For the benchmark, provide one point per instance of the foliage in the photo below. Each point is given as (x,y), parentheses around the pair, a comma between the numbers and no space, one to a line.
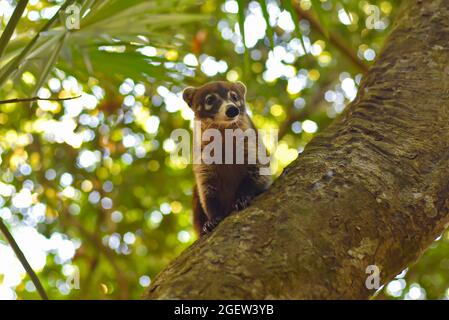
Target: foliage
(89,184)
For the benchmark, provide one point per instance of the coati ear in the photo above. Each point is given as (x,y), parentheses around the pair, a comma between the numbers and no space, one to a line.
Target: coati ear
(240,87)
(188,94)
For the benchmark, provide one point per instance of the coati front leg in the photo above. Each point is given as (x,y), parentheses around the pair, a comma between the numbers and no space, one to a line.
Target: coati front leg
(209,200)
(214,212)
(201,223)
(250,187)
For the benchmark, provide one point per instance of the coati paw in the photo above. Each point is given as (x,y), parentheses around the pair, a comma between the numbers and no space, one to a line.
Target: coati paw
(210,225)
(242,202)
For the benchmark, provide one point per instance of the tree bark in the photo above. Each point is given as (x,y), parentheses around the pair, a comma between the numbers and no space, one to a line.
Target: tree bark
(371,189)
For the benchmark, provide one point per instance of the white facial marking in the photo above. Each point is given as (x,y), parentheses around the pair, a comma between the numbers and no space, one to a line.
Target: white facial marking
(222,111)
(233,96)
(221,114)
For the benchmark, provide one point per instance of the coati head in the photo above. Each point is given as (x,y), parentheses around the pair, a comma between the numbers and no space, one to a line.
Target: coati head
(219,101)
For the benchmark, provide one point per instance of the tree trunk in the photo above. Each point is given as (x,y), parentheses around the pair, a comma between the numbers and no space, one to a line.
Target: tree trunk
(372,189)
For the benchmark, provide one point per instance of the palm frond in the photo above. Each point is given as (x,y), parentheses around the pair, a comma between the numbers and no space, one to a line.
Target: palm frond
(103,23)
(12,23)
(266,16)
(241,18)
(20,58)
(289,7)
(316,4)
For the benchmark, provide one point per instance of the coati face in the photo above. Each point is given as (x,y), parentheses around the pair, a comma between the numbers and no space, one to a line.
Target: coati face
(218,101)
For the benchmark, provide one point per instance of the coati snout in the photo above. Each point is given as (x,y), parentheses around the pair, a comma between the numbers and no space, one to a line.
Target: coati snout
(232,111)
(222,188)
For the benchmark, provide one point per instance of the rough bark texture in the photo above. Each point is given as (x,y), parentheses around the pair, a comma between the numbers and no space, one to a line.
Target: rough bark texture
(372,189)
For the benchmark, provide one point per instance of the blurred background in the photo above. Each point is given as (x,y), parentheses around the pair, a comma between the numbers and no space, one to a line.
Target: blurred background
(87,186)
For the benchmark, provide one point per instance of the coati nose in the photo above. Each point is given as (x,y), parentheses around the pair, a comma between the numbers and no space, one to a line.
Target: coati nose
(232,111)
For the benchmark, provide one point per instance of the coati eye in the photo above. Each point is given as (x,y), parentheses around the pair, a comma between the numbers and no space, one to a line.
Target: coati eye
(234,96)
(210,99)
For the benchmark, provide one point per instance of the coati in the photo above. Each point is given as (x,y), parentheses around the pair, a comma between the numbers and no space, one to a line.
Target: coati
(223,188)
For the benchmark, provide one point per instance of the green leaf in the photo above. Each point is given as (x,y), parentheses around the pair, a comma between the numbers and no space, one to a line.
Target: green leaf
(263,4)
(316,5)
(345,8)
(116,66)
(11,26)
(20,59)
(289,7)
(50,63)
(241,17)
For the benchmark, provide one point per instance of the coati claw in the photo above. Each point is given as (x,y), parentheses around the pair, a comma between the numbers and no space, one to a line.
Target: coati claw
(210,225)
(242,203)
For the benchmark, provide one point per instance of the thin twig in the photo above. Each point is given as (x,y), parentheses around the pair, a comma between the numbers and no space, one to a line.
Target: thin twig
(333,38)
(23,260)
(35,99)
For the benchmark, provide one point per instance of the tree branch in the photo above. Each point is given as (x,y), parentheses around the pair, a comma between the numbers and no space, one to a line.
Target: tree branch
(15,100)
(370,190)
(333,38)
